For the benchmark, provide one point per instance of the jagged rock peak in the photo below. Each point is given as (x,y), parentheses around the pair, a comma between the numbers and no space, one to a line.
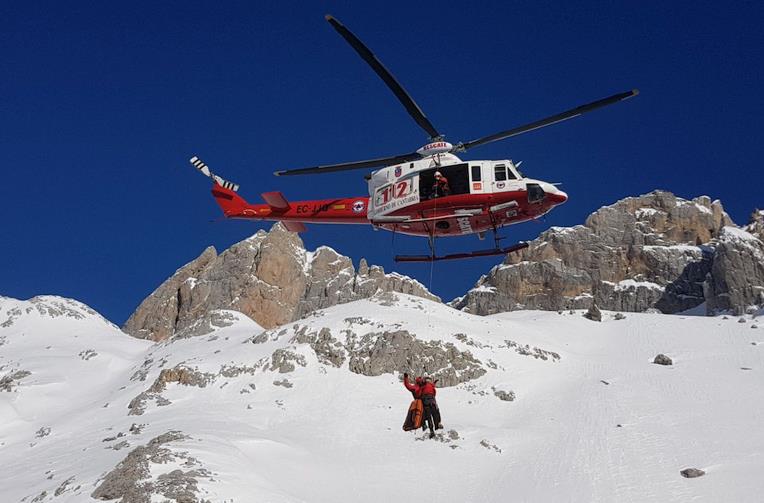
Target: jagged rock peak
(736,280)
(269,277)
(652,251)
(659,218)
(756,224)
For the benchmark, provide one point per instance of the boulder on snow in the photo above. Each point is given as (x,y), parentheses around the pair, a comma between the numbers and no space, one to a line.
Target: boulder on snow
(284,382)
(507,396)
(7,382)
(691,473)
(662,359)
(593,313)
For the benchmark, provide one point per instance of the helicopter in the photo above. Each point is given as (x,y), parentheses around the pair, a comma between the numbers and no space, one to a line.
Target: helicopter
(406,193)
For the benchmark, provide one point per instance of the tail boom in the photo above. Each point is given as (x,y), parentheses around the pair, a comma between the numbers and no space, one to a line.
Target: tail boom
(347,210)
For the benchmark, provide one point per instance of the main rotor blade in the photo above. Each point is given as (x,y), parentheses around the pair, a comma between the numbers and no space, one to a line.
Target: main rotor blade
(371,163)
(554,119)
(411,107)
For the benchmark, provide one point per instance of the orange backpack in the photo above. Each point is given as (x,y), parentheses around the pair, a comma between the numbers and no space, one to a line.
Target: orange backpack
(414,416)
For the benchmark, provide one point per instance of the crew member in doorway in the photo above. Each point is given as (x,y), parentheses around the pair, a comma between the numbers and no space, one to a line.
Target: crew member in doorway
(440,188)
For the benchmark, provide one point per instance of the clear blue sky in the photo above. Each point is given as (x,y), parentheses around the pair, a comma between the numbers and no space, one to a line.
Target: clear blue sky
(101,105)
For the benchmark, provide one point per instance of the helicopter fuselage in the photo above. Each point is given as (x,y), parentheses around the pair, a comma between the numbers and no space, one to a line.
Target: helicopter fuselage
(482,195)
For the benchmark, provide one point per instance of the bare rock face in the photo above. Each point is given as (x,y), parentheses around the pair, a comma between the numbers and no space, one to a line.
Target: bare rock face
(654,251)
(399,351)
(756,224)
(328,349)
(132,481)
(269,277)
(157,316)
(736,279)
(388,350)
(179,374)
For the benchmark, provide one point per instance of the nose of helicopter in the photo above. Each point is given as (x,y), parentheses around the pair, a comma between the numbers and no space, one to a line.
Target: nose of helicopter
(554,194)
(558,197)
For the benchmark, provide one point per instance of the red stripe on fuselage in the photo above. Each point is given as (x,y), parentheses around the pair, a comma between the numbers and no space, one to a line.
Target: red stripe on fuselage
(322,211)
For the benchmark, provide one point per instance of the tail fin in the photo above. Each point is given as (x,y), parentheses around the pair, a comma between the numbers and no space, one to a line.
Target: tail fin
(224,191)
(229,201)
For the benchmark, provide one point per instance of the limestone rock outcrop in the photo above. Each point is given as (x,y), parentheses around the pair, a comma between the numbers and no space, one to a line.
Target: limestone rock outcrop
(655,251)
(756,224)
(269,277)
(736,280)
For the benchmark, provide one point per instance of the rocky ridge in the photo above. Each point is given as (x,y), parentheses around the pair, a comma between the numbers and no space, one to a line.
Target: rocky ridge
(756,224)
(269,277)
(655,251)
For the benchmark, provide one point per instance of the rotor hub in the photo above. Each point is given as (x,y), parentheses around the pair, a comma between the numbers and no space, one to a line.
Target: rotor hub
(434,148)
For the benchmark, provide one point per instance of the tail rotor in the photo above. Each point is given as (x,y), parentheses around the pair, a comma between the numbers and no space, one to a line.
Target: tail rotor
(205,170)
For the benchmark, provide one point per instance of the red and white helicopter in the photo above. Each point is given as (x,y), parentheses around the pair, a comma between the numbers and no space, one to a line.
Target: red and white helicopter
(404,197)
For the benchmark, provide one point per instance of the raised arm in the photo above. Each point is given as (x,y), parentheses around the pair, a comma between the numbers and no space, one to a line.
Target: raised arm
(408,385)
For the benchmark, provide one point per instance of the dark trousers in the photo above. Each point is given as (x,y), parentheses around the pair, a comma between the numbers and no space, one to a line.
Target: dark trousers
(431,413)
(436,416)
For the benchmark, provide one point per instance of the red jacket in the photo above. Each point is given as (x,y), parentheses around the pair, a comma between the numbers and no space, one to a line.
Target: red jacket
(427,388)
(441,185)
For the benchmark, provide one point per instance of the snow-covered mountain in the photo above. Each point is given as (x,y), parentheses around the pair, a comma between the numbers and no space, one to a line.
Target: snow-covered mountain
(537,406)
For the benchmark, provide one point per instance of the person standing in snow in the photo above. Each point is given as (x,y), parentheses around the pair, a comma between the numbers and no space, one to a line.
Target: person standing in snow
(431,409)
(424,389)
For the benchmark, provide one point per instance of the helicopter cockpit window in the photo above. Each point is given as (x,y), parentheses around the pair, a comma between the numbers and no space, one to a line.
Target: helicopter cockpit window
(511,174)
(499,173)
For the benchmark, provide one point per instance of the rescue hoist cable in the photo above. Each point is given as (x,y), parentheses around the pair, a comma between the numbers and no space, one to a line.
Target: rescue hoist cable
(432,263)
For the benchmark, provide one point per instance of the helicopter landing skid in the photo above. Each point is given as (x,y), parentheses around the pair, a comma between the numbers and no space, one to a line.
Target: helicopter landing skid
(454,256)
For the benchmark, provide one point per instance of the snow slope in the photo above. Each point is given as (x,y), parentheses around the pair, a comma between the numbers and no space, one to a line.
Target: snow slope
(593,419)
